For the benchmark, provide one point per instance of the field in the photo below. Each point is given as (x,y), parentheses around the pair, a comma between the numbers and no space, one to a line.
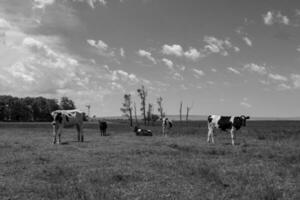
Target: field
(265,163)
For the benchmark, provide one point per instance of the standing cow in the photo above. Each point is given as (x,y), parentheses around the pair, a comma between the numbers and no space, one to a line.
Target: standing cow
(66,119)
(166,126)
(102,127)
(225,123)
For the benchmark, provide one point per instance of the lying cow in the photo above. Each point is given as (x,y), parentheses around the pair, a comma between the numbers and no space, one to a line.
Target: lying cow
(166,125)
(102,127)
(65,119)
(142,132)
(225,123)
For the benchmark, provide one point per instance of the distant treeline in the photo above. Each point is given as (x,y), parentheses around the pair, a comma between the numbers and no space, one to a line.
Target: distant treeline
(31,108)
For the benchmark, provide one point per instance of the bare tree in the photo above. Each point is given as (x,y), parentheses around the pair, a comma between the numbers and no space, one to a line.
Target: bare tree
(188,109)
(143,94)
(135,115)
(160,108)
(149,113)
(127,107)
(180,111)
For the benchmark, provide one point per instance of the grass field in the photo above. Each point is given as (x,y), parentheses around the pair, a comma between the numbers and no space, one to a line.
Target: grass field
(265,163)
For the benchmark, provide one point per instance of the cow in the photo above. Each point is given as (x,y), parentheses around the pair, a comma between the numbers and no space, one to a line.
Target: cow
(102,127)
(66,119)
(225,123)
(166,126)
(142,132)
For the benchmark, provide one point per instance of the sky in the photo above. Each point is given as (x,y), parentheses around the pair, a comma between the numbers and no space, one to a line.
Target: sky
(228,57)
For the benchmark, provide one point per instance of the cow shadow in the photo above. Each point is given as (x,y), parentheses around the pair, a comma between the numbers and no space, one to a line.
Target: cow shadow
(229,143)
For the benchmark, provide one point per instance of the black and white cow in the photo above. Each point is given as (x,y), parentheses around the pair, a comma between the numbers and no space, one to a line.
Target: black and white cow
(66,119)
(166,126)
(225,123)
(102,127)
(142,132)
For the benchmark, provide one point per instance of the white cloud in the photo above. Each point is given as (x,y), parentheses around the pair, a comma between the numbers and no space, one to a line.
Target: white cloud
(102,47)
(272,17)
(192,54)
(283,86)
(215,45)
(122,52)
(256,68)
(296,80)
(177,76)
(4,24)
(213,70)
(174,49)
(92,3)
(146,54)
(233,70)
(41,4)
(298,49)
(245,104)
(277,77)
(248,41)
(168,62)
(198,73)
(124,76)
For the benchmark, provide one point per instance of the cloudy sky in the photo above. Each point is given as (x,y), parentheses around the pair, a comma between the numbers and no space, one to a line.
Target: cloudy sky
(218,56)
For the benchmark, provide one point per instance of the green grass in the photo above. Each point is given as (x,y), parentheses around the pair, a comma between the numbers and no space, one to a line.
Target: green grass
(264,165)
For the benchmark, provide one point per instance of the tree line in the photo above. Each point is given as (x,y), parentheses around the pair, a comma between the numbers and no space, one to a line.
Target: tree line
(31,108)
(147,110)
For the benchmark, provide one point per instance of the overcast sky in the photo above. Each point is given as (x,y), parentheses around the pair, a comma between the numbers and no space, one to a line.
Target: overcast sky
(218,56)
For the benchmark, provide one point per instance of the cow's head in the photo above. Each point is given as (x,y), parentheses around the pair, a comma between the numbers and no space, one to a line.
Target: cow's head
(244,118)
(57,118)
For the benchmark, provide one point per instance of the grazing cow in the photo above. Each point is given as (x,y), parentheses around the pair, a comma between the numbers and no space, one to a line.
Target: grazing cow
(224,123)
(102,127)
(142,132)
(166,125)
(65,119)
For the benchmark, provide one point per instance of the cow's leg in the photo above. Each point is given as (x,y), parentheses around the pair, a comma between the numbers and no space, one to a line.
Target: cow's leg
(59,135)
(54,134)
(210,135)
(232,136)
(81,133)
(78,132)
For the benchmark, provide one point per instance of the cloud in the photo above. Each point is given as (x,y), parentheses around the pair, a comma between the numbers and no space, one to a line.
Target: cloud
(215,45)
(298,49)
(296,80)
(177,76)
(122,52)
(245,104)
(102,47)
(174,49)
(92,3)
(192,54)
(4,24)
(233,70)
(147,55)
(168,62)
(41,4)
(124,76)
(248,41)
(198,73)
(283,86)
(277,77)
(272,17)
(256,68)
(213,70)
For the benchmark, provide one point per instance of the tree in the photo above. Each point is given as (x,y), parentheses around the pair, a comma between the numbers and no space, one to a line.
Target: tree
(127,107)
(66,104)
(135,115)
(143,95)
(180,111)
(160,108)
(188,109)
(149,113)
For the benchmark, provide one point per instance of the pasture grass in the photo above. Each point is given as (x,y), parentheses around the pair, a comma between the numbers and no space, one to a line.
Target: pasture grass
(264,164)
